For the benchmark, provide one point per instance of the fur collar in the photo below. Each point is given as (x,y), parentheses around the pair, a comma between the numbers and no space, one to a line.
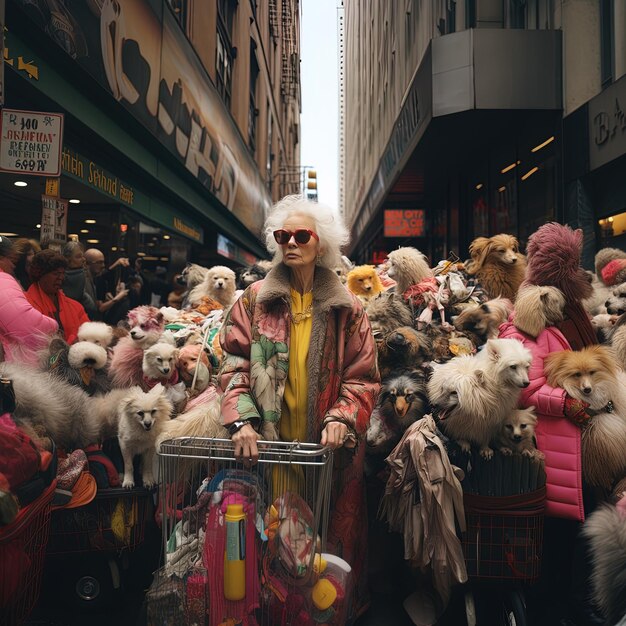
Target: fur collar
(328,291)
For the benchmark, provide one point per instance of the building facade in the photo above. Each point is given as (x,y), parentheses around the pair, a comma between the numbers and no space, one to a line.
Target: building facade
(181,121)
(466,119)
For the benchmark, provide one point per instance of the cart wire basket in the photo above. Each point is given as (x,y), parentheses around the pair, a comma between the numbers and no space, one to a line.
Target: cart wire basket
(504,536)
(113,521)
(268,569)
(22,555)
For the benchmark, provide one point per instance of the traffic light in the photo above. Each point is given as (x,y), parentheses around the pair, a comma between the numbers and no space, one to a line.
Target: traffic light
(311,185)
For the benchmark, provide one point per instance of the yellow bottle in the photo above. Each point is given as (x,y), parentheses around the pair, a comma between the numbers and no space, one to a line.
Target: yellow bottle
(235,553)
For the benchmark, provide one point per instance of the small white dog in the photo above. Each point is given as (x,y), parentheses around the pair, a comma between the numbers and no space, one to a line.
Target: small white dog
(140,419)
(220,284)
(616,302)
(159,363)
(96,332)
(474,394)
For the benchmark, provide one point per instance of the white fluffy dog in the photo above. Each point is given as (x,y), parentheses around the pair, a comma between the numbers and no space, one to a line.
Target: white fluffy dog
(57,409)
(407,266)
(140,418)
(616,302)
(159,362)
(220,284)
(473,394)
(96,332)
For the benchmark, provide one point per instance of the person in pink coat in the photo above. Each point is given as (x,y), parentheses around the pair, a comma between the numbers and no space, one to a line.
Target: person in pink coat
(549,317)
(23,329)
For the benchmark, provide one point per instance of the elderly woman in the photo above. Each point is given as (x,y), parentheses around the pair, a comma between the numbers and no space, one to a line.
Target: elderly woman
(300,363)
(23,329)
(47,272)
(76,284)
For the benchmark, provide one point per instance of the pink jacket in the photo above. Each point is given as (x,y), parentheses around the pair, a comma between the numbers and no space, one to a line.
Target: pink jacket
(557,437)
(23,329)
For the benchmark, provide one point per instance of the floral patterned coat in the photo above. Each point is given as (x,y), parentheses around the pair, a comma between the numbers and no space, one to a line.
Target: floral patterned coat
(343,386)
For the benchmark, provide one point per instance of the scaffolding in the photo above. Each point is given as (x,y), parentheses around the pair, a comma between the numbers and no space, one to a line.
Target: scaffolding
(290,75)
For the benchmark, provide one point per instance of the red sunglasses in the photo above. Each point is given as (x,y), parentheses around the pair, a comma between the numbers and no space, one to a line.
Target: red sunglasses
(301,235)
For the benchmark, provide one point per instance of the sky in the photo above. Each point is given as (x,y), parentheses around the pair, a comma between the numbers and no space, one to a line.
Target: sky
(318,77)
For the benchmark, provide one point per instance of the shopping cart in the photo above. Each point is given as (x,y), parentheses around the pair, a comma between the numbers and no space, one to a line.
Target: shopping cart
(503,541)
(287,577)
(22,554)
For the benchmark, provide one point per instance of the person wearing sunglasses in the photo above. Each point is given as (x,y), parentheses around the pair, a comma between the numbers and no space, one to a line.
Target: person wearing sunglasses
(299,363)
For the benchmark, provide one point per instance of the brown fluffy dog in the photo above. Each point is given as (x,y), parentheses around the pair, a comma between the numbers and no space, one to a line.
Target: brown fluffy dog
(483,319)
(517,435)
(592,375)
(364,282)
(403,349)
(498,265)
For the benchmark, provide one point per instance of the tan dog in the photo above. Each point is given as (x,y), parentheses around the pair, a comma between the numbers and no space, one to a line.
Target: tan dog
(592,375)
(498,265)
(364,282)
(517,435)
(483,319)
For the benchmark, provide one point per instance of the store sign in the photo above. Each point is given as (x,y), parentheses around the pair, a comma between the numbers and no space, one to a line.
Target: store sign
(228,249)
(53,219)
(607,125)
(30,142)
(142,57)
(96,177)
(405,223)
(193,232)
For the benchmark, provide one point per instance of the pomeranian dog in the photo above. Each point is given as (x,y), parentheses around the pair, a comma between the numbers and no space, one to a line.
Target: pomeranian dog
(159,363)
(592,375)
(402,401)
(484,319)
(220,284)
(498,265)
(146,325)
(517,434)
(96,332)
(474,394)
(140,417)
(363,281)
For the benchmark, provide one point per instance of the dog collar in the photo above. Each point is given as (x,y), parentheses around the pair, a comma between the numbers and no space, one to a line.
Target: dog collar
(609,408)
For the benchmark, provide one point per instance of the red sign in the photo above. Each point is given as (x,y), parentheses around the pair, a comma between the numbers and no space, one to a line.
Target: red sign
(405,223)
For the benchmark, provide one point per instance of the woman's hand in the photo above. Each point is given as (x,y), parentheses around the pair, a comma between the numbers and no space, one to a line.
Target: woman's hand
(245,444)
(334,434)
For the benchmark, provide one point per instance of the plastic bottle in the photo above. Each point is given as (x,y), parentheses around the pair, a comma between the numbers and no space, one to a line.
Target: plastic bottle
(235,553)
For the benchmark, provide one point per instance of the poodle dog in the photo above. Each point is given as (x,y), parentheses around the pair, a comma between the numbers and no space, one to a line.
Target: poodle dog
(407,266)
(606,530)
(363,281)
(474,394)
(402,401)
(484,319)
(386,313)
(498,265)
(517,434)
(140,418)
(96,332)
(592,375)
(403,349)
(250,275)
(146,327)
(220,284)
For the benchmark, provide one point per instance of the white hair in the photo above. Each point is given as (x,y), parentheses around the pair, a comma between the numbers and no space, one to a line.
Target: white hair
(329,227)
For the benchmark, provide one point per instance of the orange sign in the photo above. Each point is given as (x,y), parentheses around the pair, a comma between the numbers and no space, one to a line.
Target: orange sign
(405,223)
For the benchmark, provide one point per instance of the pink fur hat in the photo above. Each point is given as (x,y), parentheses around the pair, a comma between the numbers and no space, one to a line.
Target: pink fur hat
(553,254)
(614,272)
